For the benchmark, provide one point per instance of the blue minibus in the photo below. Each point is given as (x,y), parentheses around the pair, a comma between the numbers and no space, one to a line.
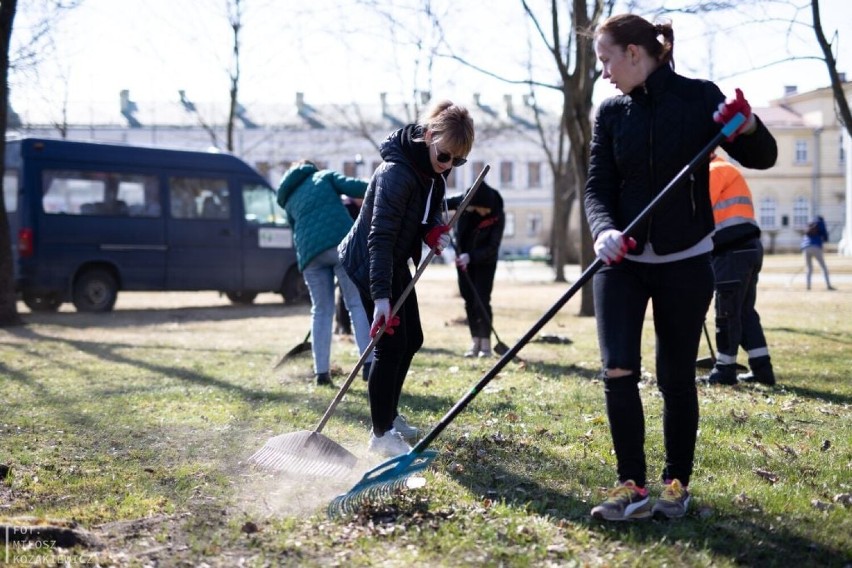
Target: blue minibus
(90,219)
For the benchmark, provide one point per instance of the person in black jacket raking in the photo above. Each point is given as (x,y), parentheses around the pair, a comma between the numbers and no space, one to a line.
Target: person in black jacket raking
(402,209)
(642,139)
(480,231)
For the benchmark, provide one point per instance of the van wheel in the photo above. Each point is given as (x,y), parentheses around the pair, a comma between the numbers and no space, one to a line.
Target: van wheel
(242,298)
(95,291)
(42,302)
(295,291)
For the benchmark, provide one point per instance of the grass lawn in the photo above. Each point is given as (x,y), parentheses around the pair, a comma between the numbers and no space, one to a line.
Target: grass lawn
(129,433)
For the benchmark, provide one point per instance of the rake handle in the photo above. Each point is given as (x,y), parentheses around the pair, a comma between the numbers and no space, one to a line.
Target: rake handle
(702,156)
(405,293)
(481,304)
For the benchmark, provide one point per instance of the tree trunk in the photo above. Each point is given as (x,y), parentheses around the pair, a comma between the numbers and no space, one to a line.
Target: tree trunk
(8,300)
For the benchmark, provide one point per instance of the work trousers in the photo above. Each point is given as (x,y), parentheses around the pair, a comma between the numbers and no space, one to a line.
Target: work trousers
(736,273)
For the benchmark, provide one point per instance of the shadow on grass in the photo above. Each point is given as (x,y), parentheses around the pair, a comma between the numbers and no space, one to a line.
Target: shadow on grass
(153,316)
(822,334)
(749,539)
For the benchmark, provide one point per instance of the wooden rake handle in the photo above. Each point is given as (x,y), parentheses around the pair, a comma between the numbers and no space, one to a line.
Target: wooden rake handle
(420,269)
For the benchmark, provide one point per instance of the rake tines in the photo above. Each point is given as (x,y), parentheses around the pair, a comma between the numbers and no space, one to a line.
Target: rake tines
(383,480)
(305,453)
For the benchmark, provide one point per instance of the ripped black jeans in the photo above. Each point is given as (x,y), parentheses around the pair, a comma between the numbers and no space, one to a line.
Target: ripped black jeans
(680,294)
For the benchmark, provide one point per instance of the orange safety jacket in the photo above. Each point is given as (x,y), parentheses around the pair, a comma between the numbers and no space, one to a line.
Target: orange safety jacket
(733,209)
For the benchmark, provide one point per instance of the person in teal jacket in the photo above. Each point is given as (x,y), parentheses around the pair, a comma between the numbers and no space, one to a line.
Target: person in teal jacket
(311,199)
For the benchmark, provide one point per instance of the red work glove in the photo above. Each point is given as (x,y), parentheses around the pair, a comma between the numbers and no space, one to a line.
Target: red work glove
(729,108)
(381,314)
(611,246)
(438,238)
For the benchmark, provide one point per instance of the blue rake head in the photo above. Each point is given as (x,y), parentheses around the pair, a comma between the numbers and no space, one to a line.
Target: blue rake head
(384,479)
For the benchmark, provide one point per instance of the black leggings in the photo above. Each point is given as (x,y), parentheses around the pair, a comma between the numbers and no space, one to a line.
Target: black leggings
(680,294)
(393,354)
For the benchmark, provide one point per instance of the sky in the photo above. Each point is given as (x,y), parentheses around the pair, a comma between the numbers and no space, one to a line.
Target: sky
(341,51)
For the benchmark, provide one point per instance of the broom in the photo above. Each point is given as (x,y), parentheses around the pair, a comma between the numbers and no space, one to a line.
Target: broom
(392,475)
(308,452)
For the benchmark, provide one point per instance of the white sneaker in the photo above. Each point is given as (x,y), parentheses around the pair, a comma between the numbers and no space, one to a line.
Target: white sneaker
(389,444)
(401,425)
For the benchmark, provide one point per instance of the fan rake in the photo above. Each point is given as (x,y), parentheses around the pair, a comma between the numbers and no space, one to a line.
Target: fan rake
(392,475)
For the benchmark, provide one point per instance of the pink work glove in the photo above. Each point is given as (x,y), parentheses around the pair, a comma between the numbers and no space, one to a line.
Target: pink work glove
(438,238)
(462,261)
(611,246)
(729,108)
(381,314)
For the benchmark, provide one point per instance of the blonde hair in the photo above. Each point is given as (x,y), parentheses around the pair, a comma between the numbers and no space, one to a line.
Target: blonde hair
(451,126)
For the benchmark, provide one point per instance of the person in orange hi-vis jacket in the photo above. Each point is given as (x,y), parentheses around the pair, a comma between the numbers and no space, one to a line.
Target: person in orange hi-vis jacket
(737,260)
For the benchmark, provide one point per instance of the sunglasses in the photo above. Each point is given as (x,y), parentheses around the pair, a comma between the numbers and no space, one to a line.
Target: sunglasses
(444,157)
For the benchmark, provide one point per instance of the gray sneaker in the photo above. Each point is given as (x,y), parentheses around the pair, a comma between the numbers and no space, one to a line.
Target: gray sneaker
(673,502)
(623,503)
(401,425)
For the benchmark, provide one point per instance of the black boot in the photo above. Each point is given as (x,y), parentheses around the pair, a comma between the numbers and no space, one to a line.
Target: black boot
(761,371)
(324,380)
(723,375)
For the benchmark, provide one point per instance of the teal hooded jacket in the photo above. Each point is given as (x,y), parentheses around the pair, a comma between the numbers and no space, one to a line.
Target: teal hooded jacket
(311,201)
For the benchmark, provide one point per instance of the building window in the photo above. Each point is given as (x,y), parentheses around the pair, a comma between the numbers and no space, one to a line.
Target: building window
(534,173)
(768,212)
(507,174)
(476,168)
(533,224)
(509,228)
(350,169)
(801,212)
(801,152)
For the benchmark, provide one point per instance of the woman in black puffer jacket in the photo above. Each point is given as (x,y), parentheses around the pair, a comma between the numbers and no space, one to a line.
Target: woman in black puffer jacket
(642,139)
(402,209)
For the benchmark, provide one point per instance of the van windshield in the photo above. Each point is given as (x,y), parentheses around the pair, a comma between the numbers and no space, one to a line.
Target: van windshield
(260,206)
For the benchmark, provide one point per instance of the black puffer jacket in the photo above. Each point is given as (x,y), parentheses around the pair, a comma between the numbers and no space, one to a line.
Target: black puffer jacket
(393,220)
(479,236)
(642,140)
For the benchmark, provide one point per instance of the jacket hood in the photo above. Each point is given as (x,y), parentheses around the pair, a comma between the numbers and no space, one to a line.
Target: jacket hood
(401,147)
(293,178)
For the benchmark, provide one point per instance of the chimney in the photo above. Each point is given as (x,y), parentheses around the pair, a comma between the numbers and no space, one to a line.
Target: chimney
(425,97)
(384,98)
(477,99)
(128,107)
(507,99)
(790,90)
(300,102)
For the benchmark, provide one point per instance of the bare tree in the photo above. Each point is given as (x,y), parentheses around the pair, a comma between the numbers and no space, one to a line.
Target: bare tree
(235,19)
(8,301)
(831,64)
(28,53)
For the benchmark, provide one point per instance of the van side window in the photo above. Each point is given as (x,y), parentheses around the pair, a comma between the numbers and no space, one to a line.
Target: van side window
(10,190)
(68,192)
(260,206)
(199,198)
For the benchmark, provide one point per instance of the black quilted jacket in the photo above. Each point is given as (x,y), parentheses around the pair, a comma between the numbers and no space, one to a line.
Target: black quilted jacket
(642,140)
(393,220)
